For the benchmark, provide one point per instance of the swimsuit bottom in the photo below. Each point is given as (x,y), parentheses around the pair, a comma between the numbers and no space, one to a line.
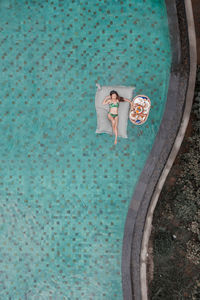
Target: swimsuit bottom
(113,115)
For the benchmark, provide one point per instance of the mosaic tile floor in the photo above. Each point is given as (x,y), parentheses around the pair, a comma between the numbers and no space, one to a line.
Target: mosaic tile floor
(65,190)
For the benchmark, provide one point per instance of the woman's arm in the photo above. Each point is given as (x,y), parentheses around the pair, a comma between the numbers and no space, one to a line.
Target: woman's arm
(105,101)
(131,103)
(125,99)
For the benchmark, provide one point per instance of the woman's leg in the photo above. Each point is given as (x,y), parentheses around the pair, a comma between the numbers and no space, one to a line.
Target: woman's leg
(116,129)
(112,122)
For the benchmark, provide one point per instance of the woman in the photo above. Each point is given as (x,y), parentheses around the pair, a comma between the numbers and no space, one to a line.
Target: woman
(113,101)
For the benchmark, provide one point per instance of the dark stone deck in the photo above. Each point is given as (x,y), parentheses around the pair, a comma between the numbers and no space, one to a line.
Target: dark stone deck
(181,88)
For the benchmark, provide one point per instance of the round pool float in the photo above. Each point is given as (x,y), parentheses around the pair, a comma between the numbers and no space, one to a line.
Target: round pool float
(140,110)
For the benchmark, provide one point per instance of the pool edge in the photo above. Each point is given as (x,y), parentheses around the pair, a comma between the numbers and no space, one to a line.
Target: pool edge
(164,151)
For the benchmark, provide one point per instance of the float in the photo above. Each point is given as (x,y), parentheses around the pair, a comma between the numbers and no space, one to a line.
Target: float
(140,109)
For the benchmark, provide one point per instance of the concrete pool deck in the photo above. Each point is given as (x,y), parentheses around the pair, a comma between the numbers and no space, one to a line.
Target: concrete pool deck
(164,151)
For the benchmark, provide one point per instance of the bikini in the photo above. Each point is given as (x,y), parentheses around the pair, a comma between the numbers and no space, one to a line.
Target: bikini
(113,105)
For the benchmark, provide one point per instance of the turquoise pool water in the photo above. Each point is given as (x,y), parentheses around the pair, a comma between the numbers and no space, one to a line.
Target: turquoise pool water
(65,191)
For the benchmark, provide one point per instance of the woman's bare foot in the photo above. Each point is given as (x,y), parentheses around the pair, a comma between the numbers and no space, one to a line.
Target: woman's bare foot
(115,142)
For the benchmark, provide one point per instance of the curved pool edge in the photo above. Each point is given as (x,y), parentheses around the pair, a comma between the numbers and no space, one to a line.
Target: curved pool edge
(174,152)
(164,151)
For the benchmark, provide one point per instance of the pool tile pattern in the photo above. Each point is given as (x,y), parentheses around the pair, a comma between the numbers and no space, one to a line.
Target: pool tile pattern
(65,190)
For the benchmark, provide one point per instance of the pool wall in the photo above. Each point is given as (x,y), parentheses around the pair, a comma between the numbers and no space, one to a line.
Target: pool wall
(166,146)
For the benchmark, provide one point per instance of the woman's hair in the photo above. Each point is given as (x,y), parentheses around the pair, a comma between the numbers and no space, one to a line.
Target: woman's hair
(118,97)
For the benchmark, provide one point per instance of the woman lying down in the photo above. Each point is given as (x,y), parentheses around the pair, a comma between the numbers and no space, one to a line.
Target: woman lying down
(113,101)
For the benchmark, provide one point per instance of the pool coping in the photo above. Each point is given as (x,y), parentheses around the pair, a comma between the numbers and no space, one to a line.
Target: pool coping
(167,143)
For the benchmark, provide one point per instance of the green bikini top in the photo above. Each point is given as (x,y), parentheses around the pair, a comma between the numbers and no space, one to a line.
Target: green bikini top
(114,105)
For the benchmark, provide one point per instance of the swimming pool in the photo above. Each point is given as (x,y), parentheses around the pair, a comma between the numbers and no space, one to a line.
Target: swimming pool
(65,190)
